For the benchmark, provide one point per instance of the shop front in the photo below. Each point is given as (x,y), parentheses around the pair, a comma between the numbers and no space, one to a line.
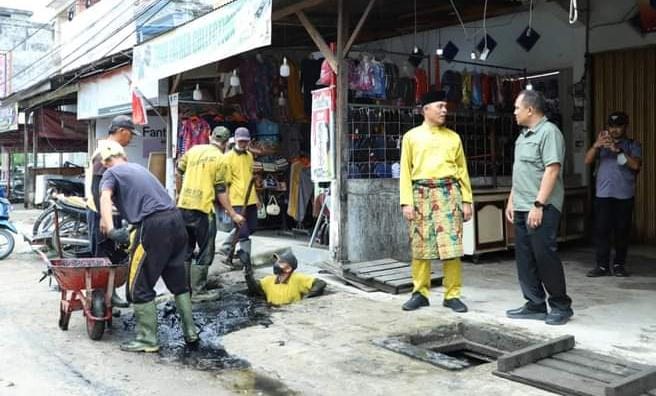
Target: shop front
(265,83)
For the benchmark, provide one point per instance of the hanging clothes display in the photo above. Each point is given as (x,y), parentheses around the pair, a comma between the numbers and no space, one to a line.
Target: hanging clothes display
(466,88)
(421,84)
(193,130)
(294,94)
(486,89)
(476,91)
(300,189)
(263,82)
(310,73)
(436,72)
(247,72)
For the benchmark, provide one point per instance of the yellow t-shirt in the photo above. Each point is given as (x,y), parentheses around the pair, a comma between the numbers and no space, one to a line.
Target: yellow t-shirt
(240,172)
(202,167)
(286,293)
(432,153)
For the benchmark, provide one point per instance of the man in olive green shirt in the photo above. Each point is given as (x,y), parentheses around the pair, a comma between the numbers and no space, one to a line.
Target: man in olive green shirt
(534,207)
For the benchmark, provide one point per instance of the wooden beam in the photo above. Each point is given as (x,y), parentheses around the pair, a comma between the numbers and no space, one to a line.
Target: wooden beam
(533,353)
(635,384)
(176,83)
(356,31)
(294,8)
(318,40)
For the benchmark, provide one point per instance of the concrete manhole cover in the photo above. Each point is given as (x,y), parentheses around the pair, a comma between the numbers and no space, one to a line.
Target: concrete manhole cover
(457,346)
(554,365)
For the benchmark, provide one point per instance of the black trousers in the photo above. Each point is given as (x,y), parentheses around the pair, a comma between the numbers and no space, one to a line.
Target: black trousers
(200,233)
(100,245)
(538,266)
(613,218)
(160,250)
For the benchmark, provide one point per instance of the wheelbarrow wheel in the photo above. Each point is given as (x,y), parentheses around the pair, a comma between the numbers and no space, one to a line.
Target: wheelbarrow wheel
(96,328)
(64,318)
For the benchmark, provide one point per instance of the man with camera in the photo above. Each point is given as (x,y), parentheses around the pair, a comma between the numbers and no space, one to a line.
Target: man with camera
(619,161)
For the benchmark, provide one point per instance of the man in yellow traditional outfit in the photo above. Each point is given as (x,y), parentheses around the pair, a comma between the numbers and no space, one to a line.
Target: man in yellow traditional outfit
(436,197)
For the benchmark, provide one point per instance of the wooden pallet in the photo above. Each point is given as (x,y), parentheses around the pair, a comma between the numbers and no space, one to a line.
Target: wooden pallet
(557,367)
(388,275)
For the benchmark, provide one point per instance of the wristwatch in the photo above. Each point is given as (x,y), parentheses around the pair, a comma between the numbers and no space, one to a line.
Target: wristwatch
(538,204)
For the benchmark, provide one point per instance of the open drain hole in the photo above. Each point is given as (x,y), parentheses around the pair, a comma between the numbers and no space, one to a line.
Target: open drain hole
(456,347)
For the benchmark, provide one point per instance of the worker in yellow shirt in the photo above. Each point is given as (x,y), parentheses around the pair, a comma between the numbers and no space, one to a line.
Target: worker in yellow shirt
(204,176)
(285,286)
(436,197)
(239,162)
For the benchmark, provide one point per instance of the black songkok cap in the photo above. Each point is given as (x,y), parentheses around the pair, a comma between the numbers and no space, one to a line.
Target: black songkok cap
(433,96)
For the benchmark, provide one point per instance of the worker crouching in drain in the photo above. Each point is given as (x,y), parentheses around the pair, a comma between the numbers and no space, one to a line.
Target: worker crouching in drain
(158,249)
(285,286)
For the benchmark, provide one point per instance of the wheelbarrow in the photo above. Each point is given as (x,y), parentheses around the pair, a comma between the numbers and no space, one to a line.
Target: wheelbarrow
(87,284)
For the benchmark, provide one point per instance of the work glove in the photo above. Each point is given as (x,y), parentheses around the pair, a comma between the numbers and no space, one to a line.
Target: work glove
(119,235)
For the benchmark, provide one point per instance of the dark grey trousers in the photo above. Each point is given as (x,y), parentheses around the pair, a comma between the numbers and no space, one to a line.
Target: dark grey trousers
(538,266)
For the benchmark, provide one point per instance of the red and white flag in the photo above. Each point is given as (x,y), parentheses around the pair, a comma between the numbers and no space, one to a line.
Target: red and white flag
(139,113)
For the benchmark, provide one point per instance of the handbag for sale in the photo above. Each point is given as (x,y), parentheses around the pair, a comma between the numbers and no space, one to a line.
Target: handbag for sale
(262,212)
(272,208)
(270,182)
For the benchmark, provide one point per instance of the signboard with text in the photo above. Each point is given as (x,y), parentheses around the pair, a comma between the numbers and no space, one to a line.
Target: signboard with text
(110,94)
(236,27)
(323,135)
(5,72)
(9,117)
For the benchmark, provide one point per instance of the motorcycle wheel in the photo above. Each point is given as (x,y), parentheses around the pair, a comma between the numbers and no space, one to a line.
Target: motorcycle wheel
(6,243)
(72,227)
(44,222)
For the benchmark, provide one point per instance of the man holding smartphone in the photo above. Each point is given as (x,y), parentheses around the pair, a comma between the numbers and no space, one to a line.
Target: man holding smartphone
(620,159)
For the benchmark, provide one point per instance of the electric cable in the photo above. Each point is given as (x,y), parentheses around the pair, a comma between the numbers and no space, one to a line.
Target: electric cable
(60,46)
(530,20)
(93,64)
(42,27)
(459,19)
(484,26)
(573,11)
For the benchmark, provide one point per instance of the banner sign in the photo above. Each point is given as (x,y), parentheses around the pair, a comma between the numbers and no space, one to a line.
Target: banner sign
(322,141)
(236,27)
(9,117)
(110,94)
(5,72)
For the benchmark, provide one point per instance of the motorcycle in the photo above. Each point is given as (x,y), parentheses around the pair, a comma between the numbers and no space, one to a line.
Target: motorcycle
(7,229)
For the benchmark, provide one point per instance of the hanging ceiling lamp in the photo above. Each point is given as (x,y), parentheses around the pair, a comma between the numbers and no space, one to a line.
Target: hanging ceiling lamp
(284,68)
(197,94)
(440,50)
(234,79)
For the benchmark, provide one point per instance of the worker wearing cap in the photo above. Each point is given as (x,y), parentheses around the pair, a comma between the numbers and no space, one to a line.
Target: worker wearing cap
(286,285)
(121,130)
(242,193)
(158,248)
(619,159)
(203,171)
(436,197)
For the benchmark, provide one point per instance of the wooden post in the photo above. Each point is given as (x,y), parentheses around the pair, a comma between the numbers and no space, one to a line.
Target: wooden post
(26,141)
(318,40)
(356,31)
(339,209)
